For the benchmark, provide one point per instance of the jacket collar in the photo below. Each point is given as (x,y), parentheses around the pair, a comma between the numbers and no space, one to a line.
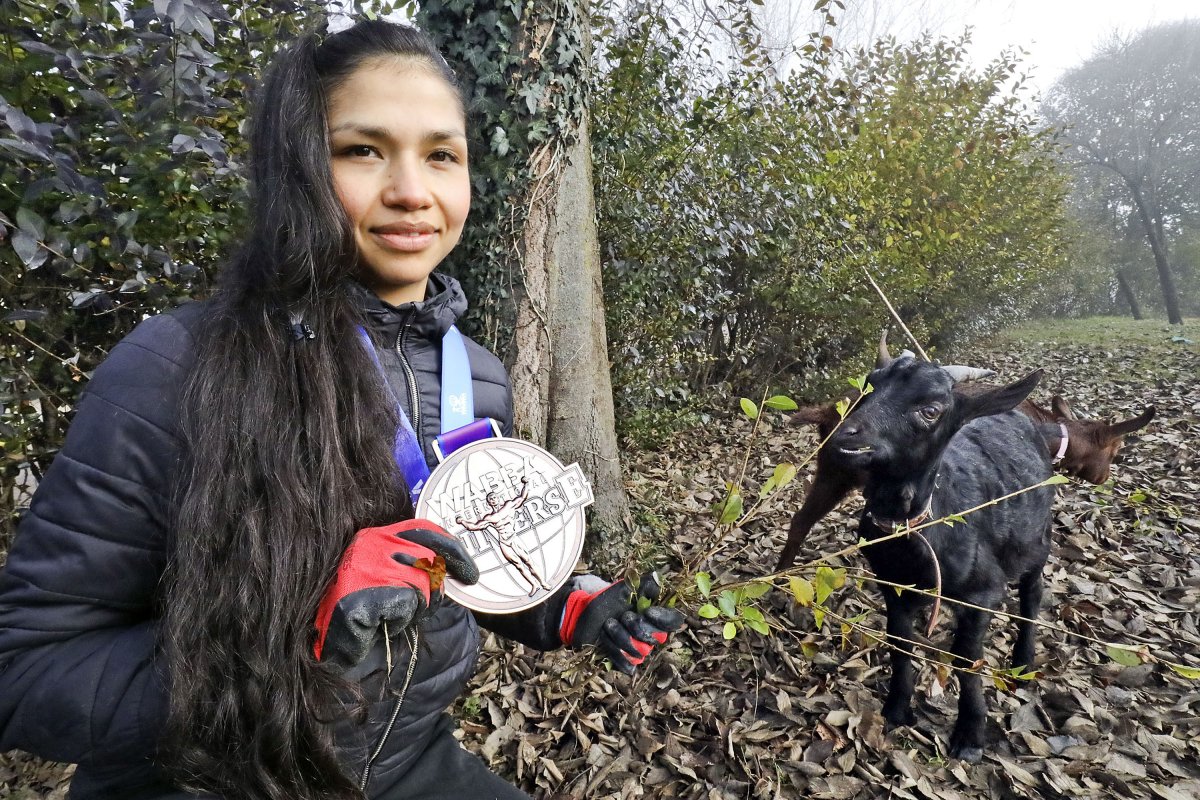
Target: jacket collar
(430,318)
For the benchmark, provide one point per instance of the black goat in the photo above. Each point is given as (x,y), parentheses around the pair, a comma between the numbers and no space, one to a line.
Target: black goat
(928,451)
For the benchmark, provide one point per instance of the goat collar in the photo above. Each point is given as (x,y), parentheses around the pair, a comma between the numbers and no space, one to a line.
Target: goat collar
(890,525)
(1062,443)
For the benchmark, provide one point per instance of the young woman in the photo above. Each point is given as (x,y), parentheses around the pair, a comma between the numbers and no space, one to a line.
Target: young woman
(219,589)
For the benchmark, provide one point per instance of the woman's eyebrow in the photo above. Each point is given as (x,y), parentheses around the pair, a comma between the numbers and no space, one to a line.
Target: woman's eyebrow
(375,132)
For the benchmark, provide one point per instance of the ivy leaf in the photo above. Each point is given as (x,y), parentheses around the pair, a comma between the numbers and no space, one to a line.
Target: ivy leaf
(704,583)
(708,611)
(748,408)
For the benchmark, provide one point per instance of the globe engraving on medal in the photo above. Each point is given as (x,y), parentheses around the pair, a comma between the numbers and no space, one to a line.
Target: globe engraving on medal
(518,512)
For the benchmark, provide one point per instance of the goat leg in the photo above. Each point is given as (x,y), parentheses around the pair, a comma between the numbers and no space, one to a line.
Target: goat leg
(897,709)
(966,742)
(1029,591)
(829,488)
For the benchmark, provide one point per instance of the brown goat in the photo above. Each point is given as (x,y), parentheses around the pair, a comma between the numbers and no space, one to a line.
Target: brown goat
(1091,447)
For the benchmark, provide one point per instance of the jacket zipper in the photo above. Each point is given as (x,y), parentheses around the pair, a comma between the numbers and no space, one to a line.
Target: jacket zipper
(413,398)
(413,640)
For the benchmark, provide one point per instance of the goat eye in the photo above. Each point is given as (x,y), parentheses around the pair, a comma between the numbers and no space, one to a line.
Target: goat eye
(930,412)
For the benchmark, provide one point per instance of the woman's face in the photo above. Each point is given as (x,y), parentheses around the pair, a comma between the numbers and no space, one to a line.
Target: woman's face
(399,154)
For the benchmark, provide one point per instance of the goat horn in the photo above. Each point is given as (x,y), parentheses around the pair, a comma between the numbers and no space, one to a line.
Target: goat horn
(960,373)
(885,357)
(1131,425)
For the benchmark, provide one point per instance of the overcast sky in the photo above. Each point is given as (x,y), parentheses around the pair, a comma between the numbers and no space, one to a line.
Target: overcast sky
(1058,34)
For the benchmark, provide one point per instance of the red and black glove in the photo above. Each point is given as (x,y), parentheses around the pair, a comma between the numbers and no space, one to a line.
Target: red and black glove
(388,574)
(605,614)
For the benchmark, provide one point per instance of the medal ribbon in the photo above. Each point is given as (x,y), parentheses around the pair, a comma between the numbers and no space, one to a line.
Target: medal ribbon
(458,423)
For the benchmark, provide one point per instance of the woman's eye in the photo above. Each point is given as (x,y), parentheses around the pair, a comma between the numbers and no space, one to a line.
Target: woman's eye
(359,151)
(931,412)
(444,156)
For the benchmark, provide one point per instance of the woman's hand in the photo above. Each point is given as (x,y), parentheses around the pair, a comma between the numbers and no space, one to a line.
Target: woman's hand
(605,614)
(387,575)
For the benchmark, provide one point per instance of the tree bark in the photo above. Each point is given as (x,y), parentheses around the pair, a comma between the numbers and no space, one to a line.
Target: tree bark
(562,388)
(1158,246)
(1126,291)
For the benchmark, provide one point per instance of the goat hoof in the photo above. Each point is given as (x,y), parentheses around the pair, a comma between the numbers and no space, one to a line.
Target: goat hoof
(965,747)
(898,718)
(972,755)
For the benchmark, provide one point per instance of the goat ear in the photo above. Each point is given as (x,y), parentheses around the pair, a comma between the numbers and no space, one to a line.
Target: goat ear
(997,401)
(1062,408)
(1131,425)
(815,415)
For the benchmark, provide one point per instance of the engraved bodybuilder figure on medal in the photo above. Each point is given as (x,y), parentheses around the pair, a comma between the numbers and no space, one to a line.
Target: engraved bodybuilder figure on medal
(497,525)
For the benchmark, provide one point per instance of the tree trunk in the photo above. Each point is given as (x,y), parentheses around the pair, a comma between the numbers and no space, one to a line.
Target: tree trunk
(562,388)
(1126,291)
(1158,245)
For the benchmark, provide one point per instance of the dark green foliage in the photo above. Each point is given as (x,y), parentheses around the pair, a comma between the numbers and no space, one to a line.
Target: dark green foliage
(120,184)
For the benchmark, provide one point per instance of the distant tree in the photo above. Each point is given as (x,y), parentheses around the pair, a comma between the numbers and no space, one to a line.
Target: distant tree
(1132,113)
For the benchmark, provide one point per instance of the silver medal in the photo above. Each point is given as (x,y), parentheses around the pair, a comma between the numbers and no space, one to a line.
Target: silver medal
(518,512)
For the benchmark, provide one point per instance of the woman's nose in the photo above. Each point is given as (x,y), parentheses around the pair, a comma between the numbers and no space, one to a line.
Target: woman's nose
(406,187)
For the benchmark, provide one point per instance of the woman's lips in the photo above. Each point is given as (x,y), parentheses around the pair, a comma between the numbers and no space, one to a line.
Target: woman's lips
(407,242)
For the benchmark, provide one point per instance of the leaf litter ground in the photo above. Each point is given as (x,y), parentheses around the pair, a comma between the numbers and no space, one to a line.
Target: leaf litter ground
(754,717)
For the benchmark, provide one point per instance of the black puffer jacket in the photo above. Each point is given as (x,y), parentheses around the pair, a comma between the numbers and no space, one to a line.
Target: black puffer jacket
(78,595)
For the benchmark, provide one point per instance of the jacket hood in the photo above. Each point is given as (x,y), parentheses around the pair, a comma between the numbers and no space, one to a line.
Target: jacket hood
(443,305)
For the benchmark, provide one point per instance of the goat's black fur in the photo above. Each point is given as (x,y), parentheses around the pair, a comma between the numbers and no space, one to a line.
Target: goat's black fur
(923,445)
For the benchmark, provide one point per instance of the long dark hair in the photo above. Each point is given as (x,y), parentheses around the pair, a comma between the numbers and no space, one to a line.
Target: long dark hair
(289,453)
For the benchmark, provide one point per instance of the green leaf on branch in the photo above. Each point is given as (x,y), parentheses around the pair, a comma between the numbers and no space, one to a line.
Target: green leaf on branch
(802,589)
(756,590)
(842,407)
(827,580)
(784,474)
(780,402)
(749,408)
(704,583)
(819,616)
(728,603)
(753,614)
(731,509)
(708,611)
(1056,479)
(758,626)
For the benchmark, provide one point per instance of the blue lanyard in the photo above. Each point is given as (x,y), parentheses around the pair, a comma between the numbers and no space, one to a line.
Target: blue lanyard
(458,406)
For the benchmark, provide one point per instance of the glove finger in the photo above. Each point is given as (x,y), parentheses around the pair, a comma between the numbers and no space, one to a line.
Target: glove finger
(611,641)
(641,628)
(459,564)
(357,617)
(650,586)
(663,618)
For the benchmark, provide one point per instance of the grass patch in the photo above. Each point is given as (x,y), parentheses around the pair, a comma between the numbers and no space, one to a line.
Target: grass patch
(1105,332)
